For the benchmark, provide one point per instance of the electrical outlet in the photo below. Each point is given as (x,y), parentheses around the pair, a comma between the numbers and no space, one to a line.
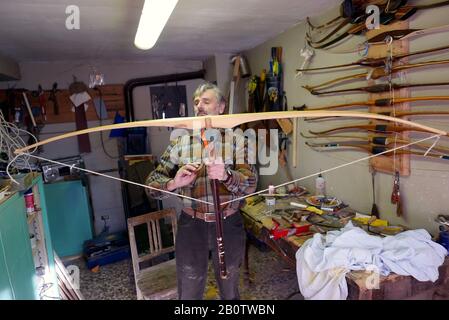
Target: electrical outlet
(105,217)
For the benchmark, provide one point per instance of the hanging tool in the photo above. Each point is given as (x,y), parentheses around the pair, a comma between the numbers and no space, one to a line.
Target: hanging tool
(234,82)
(54,99)
(42,102)
(396,195)
(307,53)
(374,209)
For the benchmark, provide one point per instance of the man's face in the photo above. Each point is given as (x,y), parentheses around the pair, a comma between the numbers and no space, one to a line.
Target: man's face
(207,104)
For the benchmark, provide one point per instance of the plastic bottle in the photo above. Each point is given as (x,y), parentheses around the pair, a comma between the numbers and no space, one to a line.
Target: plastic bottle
(271,201)
(320,186)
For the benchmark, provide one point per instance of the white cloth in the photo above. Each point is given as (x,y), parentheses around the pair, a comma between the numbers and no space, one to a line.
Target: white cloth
(79,98)
(323,261)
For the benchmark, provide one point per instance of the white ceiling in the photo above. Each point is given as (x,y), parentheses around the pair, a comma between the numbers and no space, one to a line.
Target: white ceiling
(34,30)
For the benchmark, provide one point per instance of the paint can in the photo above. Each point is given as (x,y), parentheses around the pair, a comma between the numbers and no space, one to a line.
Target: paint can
(29,202)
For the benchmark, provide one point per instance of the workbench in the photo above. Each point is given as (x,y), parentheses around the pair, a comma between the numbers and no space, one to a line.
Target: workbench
(258,222)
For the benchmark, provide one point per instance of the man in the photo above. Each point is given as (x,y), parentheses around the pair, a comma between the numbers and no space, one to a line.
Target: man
(188,176)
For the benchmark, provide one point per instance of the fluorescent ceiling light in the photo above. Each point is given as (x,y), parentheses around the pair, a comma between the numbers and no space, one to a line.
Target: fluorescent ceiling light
(155,14)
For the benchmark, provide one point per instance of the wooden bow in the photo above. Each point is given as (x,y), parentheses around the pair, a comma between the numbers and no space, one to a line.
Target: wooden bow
(378,88)
(379,128)
(375,140)
(231,121)
(402,13)
(384,102)
(374,62)
(404,34)
(398,114)
(375,149)
(374,74)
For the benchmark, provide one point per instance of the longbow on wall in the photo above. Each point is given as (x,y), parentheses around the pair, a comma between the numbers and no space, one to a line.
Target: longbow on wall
(226,122)
(373,149)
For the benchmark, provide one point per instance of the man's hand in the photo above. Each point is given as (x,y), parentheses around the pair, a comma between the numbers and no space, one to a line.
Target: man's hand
(216,169)
(185,176)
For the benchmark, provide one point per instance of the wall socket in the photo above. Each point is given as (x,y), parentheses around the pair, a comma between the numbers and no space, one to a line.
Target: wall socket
(105,217)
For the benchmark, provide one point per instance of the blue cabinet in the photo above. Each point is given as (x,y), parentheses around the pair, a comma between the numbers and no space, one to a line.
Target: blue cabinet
(69,216)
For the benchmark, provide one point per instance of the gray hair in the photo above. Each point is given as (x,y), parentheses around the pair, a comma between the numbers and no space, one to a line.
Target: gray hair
(209,86)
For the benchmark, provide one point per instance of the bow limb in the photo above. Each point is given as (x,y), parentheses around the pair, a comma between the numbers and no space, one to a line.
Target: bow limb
(380,102)
(324,25)
(375,62)
(330,34)
(376,141)
(233,120)
(375,73)
(374,149)
(398,114)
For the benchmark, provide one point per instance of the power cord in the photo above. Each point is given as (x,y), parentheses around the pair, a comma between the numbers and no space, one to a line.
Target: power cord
(101,123)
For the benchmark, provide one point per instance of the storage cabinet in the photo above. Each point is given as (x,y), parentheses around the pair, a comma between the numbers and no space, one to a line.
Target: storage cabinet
(27,268)
(69,216)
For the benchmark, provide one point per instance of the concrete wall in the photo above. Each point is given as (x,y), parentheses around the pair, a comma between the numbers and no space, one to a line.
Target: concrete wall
(106,193)
(425,193)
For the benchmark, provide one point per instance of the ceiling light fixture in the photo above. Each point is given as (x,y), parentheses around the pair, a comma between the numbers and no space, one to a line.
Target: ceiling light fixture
(155,14)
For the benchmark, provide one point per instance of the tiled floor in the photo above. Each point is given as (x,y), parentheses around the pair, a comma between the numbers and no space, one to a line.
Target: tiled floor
(271,279)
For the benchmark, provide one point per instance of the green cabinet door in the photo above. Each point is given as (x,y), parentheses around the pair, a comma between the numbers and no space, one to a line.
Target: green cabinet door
(6,292)
(69,216)
(17,265)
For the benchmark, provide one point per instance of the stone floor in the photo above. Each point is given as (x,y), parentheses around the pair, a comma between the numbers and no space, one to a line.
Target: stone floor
(271,278)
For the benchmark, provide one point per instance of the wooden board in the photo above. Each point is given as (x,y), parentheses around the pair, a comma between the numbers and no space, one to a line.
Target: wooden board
(112,96)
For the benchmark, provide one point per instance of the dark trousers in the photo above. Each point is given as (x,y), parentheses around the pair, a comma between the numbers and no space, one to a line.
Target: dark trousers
(194,240)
